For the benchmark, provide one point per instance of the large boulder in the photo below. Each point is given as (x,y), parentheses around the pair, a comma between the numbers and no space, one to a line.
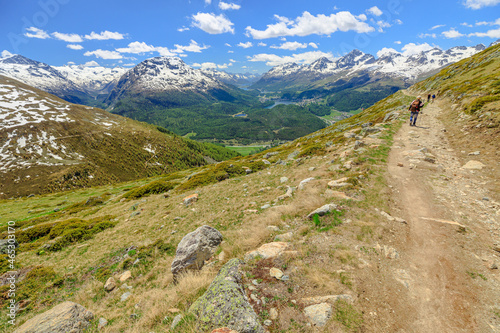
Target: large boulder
(194,249)
(225,303)
(67,317)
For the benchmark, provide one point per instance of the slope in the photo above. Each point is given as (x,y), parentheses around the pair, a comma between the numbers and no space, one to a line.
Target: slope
(51,145)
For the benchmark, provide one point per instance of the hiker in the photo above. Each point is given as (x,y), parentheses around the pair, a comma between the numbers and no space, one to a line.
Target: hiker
(428,98)
(433,96)
(415,109)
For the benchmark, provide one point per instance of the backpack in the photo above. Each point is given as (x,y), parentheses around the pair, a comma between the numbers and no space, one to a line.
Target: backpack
(415,105)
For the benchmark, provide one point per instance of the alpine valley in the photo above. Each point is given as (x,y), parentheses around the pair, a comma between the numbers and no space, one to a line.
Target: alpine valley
(208,105)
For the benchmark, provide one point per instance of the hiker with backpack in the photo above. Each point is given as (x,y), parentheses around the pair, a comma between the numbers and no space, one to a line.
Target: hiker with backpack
(415,109)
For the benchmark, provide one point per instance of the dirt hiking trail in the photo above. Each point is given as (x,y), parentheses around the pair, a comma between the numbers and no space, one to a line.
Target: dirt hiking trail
(445,278)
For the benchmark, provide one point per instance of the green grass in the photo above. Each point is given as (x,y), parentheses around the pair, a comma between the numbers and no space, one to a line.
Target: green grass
(246,150)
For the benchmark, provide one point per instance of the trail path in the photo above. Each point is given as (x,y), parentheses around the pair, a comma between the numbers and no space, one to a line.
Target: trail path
(445,281)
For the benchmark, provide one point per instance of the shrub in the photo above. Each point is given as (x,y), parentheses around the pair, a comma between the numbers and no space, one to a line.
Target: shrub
(156,187)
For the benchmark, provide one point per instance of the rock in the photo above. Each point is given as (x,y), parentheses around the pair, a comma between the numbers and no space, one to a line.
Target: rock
(326,299)
(473,165)
(284,237)
(337,194)
(267,155)
(303,183)
(124,297)
(176,321)
(266,206)
(110,284)
(387,216)
(250,211)
(273,313)
(349,135)
(266,162)
(288,194)
(222,256)
(390,252)
(339,182)
(67,317)
(311,169)
(322,210)
(348,165)
(190,199)
(400,164)
(293,155)
(4,245)
(365,125)
(223,330)
(273,228)
(283,180)
(319,313)
(225,304)
(269,250)
(125,276)
(358,144)
(276,273)
(268,322)
(194,249)
(474,153)
(102,323)
(400,220)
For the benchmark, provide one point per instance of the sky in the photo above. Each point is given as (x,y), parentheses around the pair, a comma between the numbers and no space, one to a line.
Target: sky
(238,36)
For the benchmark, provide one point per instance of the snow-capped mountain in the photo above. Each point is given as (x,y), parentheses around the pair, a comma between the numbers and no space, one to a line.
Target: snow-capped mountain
(390,64)
(94,79)
(163,75)
(231,78)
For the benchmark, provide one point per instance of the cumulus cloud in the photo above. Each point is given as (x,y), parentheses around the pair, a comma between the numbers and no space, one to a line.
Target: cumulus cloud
(104,35)
(142,47)
(382,25)
(302,58)
(422,35)
(183,29)
(74,46)
(36,33)
(104,54)
(452,33)
(386,51)
(308,24)
(245,45)
(494,33)
(192,47)
(465,24)
(292,46)
(70,38)
(213,24)
(412,48)
(397,42)
(228,6)
(211,65)
(374,11)
(313,45)
(91,63)
(478,4)
(137,48)
(261,44)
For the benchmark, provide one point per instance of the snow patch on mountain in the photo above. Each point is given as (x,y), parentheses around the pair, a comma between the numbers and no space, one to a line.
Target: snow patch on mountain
(96,79)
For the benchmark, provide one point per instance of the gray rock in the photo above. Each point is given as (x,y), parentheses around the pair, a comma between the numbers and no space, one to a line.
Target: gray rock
(293,155)
(283,180)
(266,206)
(124,297)
(266,162)
(358,144)
(4,245)
(102,323)
(176,321)
(67,317)
(225,304)
(267,155)
(110,284)
(303,183)
(365,125)
(318,313)
(195,248)
(323,210)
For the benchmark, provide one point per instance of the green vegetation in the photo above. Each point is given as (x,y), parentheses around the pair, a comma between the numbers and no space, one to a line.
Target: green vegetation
(245,151)
(156,187)
(347,315)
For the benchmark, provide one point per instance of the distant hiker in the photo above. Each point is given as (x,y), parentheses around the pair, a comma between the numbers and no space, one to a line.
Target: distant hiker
(433,96)
(415,109)
(428,98)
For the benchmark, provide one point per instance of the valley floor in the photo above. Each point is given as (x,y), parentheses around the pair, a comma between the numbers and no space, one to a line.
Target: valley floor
(445,278)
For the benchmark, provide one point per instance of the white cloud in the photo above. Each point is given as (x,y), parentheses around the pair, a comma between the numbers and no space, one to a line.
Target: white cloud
(412,48)
(495,33)
(478,4)
(137,48)
(192,47)
(302,58)
(232,60)
(308,24)
(437,26)
(211,65)
(6,54)
(452,33)
(313,45)
(245,45)
(230,51)
(382,25)
(91,63)
(422,35)
(129,64)
(465,24)
(208,2)
(228,45)
(70,38)
(104,35)
(261,44)
(292,46)
(183,29)
(397,42)
(37,33)
(398,21)
(228,6)
(386,51)
(74,46)
(213,24)
(163,51)
(374,11)
(104,54)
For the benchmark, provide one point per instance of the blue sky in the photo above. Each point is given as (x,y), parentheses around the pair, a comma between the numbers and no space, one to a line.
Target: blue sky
(237,35)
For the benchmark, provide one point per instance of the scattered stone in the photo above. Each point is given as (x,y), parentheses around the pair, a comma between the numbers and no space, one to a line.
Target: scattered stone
(267,155)
(273,228)
(318,314)
(125,276)
(195,248)
(124,297)
(349,135)
(190,199)
(326,299)
(358,144)
(312,169)
(276,273)
(134,206)
(176,321)
(293,155)
(400,164)
(339,182)
(288,194)
(63,318)
(323,210)
(224,304)
(269,250)
(473,165)
(135,214)
(303,183)
(268,322)
(348,165)
(475,153)
(387,216)
(400,220)
(284,237)
(337,194)
(266,206)
(266,162)
(250,211)
(110,284)
(255,282)
(365,125)
(273,313)
(403,277)
(390,252)
(102,323)
(283,180)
